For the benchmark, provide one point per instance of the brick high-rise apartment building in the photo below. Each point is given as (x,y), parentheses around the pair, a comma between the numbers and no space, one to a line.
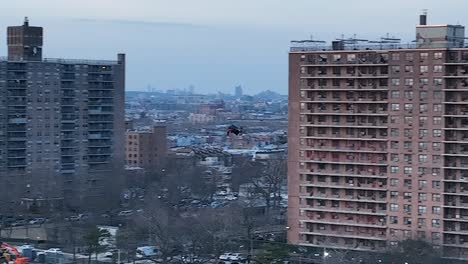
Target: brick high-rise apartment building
(378,142)
(61,123)
(146,148)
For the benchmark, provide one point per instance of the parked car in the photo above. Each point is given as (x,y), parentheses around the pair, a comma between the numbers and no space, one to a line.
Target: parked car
(19,223)
(126,213)
(37,221)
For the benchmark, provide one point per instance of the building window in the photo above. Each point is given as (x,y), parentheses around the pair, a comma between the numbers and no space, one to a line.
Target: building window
(394,182)
(423,108)
(437,55)
(395,94)
(422,133)
(408,94)
(436,184)
(351,57)
(422,209)
(408,68)
(394,207)
(409,81)
(395,69)
(394,132)
(437,95)
(409,56)
(422,145)
(437,133)
(407,157)
(437,120)
(336,57)
(395,56)
(423,55)
(408,120)
(395,107)
(436,197)
(423,68)
(393,195)
(422,120)
(423,81)
(437,81)
(408,132)
(422,196)
(407,145)
(435,209)
(422,184)
(423,95)
(394,157)
(435,223)
(394,220)
(437,68)
(422,158)
(437,107)
(408,170)
(407,195)
(395,82)
(408,107)
(421,222)
(393,169)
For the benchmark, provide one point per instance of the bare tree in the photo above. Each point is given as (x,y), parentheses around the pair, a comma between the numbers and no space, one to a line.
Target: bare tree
(268,183)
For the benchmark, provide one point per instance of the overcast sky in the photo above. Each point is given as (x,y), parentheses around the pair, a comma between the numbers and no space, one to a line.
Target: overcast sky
(213,44)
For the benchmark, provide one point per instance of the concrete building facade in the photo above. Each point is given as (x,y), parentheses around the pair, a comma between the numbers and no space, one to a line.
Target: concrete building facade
(378,143)
(61,122)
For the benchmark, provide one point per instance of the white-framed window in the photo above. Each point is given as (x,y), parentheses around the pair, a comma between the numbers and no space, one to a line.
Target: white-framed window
(422,209)
(395,107)
(437,68)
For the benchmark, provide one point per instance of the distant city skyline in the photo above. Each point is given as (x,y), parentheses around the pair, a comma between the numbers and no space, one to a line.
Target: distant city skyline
(212,45)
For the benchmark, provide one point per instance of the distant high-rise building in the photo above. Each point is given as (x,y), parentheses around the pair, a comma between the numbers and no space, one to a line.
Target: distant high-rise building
(61,123)
(146,148)
(378,142)
(238,91)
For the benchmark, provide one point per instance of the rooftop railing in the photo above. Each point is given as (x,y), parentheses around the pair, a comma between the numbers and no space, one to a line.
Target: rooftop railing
(70,61)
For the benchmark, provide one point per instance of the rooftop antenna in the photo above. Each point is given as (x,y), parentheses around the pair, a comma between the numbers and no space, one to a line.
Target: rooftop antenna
(26,21)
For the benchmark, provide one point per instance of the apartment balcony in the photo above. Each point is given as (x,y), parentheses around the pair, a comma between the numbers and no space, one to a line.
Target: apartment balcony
(16,66)
(373,125)
(366,88)
(456,98)
(319,75)
(68,76)
(16,93)
(100,94)
(343,234)
(351,184)
(344,149)
(349,221)
(101,85)
(98,159)
(99,136)
(355,246)
(346,198)
(67,84)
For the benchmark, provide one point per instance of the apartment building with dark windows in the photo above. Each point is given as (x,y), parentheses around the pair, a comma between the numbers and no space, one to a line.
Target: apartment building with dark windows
(378,142)
(61,123)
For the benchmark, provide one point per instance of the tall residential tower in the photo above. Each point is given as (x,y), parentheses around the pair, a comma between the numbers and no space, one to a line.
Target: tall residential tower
(378,142)
(61,123)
